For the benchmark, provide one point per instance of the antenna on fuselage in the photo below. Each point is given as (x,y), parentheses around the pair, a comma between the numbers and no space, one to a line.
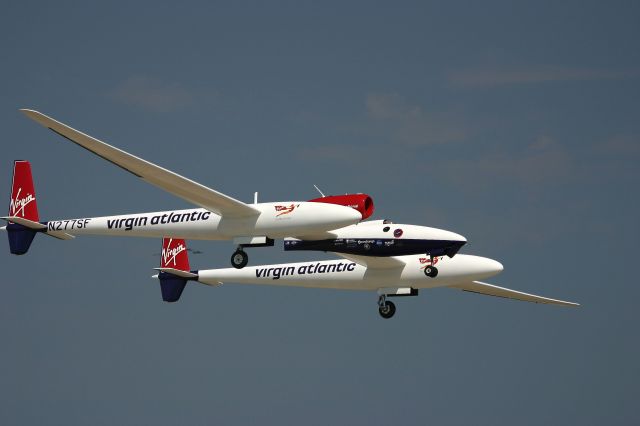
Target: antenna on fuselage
(318,189)
(255,197)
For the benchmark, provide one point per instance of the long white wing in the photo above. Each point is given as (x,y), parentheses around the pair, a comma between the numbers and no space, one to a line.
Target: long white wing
(167,180)
(494,290)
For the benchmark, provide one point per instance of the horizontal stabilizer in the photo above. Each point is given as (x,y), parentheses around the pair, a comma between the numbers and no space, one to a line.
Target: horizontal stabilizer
(60,235)
(36,226)
(494,290)
(178,272)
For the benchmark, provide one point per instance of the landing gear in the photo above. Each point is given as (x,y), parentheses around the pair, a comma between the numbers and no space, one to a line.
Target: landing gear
(431,271)
(386,308)
(239,259)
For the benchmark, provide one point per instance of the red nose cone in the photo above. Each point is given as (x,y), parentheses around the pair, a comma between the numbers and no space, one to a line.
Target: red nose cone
(361,202)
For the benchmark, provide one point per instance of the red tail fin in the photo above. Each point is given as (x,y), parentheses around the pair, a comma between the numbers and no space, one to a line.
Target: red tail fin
(23,195)
(174,254)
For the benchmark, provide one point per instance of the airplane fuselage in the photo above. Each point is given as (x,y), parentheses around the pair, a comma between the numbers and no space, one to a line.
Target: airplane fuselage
(382,238)
(348,275)
(275,220)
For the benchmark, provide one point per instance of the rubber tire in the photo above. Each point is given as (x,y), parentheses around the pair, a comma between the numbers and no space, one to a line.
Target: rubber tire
(388,310)
(244,259)
(431,271)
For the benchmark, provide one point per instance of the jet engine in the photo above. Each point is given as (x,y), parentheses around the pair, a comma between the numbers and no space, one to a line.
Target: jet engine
(360,202)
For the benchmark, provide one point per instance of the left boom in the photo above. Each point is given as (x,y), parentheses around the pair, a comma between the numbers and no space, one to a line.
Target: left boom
(218,216)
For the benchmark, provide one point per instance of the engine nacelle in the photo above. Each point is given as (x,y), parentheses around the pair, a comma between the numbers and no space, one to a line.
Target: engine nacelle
(360,202)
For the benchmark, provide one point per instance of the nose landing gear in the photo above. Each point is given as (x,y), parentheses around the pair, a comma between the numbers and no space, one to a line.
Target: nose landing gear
(431,271)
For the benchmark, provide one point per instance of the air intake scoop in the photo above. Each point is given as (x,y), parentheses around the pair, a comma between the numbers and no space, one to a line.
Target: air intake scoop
(360,202)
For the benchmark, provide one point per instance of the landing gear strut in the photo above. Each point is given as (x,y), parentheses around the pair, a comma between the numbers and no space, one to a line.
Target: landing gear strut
(239,258)
(386,308)
(431,271)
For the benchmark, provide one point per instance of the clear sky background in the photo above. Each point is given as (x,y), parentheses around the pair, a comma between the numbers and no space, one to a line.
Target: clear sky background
(516,124)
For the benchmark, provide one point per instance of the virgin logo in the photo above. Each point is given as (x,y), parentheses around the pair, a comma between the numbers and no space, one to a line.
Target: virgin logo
(426,261)
(18,204)
(285,209)
(169,254)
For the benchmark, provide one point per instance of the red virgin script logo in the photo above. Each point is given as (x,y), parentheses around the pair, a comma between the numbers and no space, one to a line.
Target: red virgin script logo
(18,204)
(169,254)
(285,209)
(426,261)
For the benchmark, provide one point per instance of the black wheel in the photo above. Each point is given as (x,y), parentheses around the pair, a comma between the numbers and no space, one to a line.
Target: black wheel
(387,310)
(239,259)
(431,271)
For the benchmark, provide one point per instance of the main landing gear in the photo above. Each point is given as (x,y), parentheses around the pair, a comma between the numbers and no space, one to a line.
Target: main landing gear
(239,258)
(386,308)
(431,271)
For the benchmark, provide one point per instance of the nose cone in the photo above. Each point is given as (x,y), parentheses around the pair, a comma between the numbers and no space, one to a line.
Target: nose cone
(457,237)
(341,215)
(485,267)
(450,241)
(441,234)
(494,266)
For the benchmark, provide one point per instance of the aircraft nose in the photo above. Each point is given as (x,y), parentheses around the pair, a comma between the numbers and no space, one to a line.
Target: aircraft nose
(496,267)
(452,236)
(355,214)
(347,214)
(456,241)
(491,266)
(481,267)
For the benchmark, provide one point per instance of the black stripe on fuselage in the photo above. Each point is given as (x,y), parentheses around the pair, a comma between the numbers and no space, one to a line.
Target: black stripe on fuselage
(378,246)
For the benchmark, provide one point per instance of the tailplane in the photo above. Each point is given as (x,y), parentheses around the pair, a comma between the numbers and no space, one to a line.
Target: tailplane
(174,269)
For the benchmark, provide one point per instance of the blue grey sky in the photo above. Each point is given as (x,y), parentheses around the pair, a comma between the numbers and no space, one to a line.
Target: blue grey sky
(516,124)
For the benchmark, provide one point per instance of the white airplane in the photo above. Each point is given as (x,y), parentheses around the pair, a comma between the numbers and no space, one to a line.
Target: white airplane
(219,216)
(393,276)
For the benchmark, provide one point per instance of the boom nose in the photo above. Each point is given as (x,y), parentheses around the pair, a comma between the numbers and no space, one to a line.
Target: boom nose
(346,214)
(477,268)
(495,266)
(490,266)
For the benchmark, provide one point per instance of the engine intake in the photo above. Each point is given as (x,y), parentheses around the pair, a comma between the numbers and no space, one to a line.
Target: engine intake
(360,202)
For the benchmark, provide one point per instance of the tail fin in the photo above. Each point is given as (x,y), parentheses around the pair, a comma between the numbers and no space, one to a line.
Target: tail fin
(174,269)
(23,205)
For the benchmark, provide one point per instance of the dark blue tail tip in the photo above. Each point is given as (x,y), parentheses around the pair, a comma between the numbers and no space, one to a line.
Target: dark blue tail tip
(171,286)
(20,238)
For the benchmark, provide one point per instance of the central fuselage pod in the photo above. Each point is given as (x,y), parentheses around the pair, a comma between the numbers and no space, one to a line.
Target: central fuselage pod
(275,220)
(382,238)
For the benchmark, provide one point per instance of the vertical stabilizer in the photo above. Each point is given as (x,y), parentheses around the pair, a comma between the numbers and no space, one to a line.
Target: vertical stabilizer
(173,257)
(23,205)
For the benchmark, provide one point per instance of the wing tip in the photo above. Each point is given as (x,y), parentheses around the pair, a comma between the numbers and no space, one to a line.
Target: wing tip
(33,114)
